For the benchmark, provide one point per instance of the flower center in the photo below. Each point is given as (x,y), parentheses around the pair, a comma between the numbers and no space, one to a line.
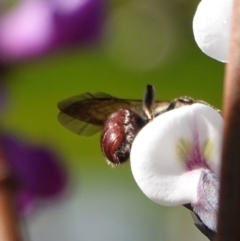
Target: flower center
(194,154)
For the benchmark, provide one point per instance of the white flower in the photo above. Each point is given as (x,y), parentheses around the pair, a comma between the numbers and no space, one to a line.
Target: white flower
(170,153)
(211,27)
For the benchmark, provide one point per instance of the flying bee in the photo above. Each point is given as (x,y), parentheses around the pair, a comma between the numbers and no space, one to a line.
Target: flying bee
(119,120)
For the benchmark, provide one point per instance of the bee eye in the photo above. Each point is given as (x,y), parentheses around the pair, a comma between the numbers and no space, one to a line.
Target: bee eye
(118,133)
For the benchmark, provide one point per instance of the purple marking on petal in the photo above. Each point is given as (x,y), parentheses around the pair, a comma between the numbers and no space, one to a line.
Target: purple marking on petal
(195,157)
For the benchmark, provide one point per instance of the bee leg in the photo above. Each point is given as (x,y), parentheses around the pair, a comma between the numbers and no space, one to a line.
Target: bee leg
(172,105)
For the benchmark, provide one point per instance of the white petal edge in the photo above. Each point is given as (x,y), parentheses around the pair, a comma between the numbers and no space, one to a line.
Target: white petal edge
(211,27)
(154,164)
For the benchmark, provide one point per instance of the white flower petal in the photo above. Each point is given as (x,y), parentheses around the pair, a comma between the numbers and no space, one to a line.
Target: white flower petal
(157,167)
(210,125)
(211,27)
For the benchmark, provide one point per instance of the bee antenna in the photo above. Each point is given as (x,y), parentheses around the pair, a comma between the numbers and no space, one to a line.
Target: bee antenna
(148,101)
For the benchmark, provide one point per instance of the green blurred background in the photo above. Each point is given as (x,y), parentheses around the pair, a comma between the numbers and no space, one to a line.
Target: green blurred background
(144,42)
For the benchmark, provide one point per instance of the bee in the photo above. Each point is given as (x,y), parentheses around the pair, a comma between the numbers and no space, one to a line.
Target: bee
(119,120)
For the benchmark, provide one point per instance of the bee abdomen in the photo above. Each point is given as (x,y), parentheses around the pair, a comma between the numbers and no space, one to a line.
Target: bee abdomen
(118,133)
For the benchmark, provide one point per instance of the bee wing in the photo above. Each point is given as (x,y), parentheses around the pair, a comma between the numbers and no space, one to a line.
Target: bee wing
(76,126)
(86,113)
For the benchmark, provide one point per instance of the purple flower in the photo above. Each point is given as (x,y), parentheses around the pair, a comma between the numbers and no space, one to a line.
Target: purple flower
(35,171)
(36,27)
